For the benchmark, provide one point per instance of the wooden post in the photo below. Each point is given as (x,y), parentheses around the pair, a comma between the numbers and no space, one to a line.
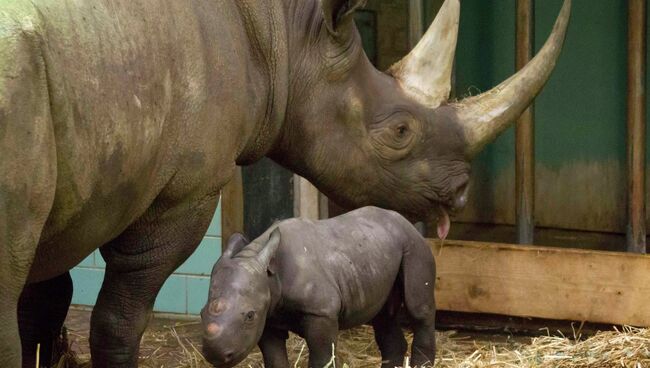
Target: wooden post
(323,206)
(524,131)
(416,30)
(415,22)
(305,199)
(636,130)
(232,207)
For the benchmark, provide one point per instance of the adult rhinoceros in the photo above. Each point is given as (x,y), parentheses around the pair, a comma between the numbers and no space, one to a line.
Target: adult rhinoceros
(121,120)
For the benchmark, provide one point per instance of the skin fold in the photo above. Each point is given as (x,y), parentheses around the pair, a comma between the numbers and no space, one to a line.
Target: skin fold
(316,277)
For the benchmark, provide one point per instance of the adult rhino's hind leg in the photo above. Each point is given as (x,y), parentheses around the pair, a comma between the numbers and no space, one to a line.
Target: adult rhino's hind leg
(419,275)
(42,309)
(27,171)
(137,264)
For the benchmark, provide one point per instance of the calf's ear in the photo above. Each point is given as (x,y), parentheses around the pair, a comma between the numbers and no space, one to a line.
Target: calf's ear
(338,14)
(236,242)
(268,251)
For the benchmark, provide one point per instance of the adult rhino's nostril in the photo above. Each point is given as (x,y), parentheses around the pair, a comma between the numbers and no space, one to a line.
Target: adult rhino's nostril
(460,198)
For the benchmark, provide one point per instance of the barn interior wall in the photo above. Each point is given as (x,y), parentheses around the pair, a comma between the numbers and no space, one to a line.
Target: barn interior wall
(580,115)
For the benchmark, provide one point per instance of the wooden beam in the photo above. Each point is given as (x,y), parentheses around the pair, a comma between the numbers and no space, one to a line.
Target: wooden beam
(525,131)
(305,199)
(232,207)
(636,130)
(415,22)
(543,282)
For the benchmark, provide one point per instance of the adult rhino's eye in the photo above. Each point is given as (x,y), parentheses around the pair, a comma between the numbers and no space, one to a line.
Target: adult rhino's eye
(402,129)
(250,316)
(393,136)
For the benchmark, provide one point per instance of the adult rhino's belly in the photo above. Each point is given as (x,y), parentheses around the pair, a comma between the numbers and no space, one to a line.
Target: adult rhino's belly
(76,228)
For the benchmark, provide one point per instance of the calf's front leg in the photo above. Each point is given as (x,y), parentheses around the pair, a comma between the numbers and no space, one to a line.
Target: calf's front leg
(320,334)
(273,345)
(137,264)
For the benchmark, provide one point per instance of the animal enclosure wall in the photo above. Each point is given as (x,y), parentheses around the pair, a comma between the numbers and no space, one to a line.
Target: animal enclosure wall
(580,128)
(185,292)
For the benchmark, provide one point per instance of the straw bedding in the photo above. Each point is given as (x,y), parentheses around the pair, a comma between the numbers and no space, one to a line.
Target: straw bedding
(179,346)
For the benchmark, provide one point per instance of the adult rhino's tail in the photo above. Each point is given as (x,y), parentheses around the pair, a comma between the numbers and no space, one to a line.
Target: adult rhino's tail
(27,164)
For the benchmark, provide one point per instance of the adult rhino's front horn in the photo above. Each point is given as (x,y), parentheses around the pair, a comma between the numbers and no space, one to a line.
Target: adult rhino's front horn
(425,74)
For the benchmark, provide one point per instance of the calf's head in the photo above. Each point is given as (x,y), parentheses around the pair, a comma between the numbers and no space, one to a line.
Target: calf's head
(234,317)
(392,139)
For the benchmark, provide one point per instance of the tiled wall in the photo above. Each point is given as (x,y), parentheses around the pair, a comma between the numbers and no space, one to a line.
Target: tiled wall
(184,292)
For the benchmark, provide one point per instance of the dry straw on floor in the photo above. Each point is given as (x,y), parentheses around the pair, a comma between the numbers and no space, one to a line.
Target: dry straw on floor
(627,347)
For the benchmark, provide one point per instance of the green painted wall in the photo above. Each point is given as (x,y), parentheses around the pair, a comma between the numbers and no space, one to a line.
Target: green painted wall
(185,292)
(580,114)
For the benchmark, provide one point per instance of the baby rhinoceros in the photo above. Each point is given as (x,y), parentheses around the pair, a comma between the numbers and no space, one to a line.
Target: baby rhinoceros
(316,277)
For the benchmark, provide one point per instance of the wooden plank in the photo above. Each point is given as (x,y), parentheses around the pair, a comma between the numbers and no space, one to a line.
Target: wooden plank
(553,283)
(232,207)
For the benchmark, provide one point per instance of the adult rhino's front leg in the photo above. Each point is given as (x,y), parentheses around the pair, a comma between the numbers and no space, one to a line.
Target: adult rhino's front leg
(137,264)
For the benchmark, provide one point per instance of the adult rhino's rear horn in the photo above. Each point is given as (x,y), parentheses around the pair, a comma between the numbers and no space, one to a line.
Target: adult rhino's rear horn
(425,73)
(486,115)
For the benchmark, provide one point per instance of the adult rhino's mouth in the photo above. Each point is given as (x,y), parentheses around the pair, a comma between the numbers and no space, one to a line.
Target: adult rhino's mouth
(443,223)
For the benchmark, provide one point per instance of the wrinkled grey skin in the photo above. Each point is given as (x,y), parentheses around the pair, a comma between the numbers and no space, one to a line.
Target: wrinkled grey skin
(316,277)
(121,120)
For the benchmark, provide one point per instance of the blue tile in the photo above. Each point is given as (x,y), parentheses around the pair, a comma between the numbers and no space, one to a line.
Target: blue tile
(88,261)
(87,282)
(99,260)
(215,225)
(173,296)
(204,257)
(197,293)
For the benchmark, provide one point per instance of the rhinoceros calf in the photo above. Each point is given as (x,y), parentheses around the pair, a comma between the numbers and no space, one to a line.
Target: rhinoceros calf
(316,277)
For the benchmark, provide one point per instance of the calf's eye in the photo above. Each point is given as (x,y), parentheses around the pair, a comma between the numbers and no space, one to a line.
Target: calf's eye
(250,316)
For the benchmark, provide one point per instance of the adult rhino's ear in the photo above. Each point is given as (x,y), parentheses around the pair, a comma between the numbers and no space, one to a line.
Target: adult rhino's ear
(268,251)
(339,14)
(236,242)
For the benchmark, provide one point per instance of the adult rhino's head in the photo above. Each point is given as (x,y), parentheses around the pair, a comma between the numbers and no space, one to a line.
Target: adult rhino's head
(392,138)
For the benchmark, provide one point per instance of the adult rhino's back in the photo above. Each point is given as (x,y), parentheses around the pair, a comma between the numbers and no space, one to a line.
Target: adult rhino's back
(138,105)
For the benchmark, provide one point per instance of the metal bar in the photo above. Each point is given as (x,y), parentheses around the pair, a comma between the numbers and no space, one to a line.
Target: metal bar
(415,22)
(525,131)
(636,74)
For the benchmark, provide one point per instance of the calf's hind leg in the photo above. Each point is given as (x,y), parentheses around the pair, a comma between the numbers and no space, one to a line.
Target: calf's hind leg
(419,275)
(388,333)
